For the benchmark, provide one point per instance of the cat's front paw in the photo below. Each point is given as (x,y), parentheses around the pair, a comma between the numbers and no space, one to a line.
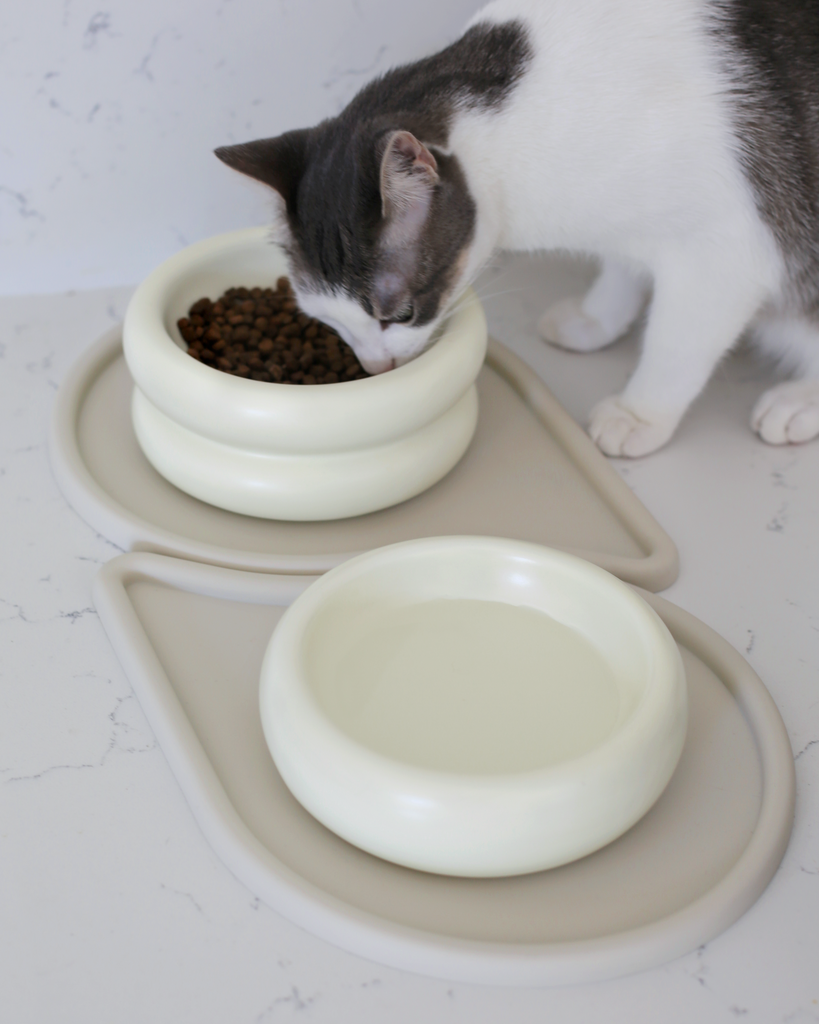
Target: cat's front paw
(567,325)
(618,430)
(788,413)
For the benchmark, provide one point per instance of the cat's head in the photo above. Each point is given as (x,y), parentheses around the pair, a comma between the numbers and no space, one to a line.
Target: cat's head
(377,227)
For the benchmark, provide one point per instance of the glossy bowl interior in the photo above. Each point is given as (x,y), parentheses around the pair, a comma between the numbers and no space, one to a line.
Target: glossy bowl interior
(473,706)
(268,449)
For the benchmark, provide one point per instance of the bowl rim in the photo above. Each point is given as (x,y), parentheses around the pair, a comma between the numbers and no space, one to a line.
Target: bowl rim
(636,730)
(262,415)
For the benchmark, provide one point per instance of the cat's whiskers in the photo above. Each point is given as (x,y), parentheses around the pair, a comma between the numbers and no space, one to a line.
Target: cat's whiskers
(457,300)
(462,300)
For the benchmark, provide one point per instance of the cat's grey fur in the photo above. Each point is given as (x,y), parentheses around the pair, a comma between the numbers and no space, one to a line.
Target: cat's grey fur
(771,50)
(329,176)
(390,208)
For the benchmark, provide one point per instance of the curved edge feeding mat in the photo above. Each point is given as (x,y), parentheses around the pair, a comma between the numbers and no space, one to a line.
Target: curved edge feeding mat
(687,871)
(531,473)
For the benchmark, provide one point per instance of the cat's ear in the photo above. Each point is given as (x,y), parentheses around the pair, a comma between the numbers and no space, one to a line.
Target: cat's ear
(277,162)
(409,174)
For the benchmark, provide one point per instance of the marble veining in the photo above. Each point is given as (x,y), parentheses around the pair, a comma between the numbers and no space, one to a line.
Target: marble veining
(119,909)
(106,163)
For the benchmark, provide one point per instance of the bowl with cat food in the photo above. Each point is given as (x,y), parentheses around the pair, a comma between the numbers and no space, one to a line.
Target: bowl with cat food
(473,706)
(248,404)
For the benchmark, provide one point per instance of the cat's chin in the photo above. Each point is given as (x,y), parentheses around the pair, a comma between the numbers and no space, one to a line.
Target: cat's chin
(376,366)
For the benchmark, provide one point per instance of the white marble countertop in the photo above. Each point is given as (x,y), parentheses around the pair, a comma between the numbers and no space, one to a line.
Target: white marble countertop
(113,906)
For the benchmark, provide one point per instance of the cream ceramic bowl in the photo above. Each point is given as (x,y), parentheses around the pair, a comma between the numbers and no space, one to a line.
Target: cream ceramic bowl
(473,706)
(281,451)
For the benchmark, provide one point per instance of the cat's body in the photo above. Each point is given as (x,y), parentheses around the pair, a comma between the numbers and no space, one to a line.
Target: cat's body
(676,139)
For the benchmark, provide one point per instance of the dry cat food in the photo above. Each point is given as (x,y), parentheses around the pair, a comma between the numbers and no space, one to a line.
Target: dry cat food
(262,334)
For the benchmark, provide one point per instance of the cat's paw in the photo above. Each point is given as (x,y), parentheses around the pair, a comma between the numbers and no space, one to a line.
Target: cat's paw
(788,413)
(567,325)
(618,430)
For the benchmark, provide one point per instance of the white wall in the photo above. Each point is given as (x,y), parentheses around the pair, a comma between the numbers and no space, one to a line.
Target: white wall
(109,111)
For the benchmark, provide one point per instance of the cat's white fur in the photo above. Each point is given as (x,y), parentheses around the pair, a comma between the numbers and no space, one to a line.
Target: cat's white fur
(378,349)
(617,142)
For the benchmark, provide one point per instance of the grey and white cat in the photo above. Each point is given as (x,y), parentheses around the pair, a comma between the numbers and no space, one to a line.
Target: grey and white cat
(676,139)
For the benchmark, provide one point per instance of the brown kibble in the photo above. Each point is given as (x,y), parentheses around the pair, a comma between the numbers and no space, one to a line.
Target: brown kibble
(262,334)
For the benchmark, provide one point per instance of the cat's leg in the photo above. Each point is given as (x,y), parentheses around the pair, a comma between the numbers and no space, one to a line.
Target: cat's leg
(789,412)
(701,305)
(604,314)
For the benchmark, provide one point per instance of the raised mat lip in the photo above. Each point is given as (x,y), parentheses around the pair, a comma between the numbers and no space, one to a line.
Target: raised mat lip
(279,418)
(492,963)
(656,569)
(364,786)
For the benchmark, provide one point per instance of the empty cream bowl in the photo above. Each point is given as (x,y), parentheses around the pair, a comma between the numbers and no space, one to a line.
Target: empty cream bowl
(473,706)
(291,452)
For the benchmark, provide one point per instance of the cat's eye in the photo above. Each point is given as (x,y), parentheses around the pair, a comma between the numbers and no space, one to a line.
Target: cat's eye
(403,317)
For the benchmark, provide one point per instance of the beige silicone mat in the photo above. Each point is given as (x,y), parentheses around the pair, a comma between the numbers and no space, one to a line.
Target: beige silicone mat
(531,474)
(191,639)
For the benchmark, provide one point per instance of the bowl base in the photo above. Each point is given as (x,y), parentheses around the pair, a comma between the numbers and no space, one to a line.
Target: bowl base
(304,487)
